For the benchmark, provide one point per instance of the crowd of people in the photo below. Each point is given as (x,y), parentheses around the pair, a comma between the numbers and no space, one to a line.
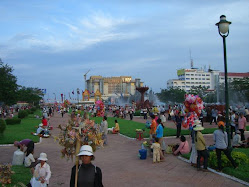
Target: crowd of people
(89,174)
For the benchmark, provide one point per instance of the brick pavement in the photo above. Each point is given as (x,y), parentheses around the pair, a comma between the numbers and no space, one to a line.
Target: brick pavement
(121,166)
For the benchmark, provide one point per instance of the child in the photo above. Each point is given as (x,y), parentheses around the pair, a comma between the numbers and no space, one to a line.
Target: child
(156,151)
(42,173)
(29,160)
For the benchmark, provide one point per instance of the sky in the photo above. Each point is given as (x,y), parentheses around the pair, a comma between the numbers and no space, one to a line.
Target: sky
(51,44)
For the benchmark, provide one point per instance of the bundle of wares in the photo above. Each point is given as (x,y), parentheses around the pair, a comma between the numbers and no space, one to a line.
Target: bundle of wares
(84,132)
(76,134)
(193,106)
(5,174)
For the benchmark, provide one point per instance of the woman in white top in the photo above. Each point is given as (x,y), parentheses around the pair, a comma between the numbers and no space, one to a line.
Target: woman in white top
(29,160)
(42,173)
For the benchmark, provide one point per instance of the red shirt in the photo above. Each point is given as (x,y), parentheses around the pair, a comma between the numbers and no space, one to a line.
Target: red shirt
(44,122)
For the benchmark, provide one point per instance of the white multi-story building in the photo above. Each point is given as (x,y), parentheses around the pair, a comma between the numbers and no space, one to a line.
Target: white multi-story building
(194,77)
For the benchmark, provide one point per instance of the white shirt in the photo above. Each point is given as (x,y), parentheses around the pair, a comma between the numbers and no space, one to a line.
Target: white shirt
(28,160)
(43,171)
(104,127)
(233,120)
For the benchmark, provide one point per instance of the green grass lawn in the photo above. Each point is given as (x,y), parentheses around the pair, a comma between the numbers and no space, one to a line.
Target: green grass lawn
(242,172)
(21,175)
(22,131)
(128,127)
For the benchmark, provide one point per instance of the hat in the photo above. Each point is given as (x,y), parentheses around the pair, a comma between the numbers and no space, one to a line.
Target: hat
(40,125)
(198,128)
(197,122)
(238,132)
(43,156)
(86,150)
(221,123)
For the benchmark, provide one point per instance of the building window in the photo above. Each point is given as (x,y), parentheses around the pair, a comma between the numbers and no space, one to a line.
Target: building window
(203,78)
(187,74)
(187,78)
(192,79)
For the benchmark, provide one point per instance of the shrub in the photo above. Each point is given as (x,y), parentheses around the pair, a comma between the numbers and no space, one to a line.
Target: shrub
(240,158)
(28,111)
(33,109)
(2,126)
(22,114)
(137,113)
(13,121)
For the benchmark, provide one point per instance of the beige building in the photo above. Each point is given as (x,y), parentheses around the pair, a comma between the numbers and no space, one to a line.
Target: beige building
(113,86)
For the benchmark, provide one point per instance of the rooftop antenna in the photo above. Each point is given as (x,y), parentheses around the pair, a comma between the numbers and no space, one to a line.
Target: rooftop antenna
(191,60)
(85,78)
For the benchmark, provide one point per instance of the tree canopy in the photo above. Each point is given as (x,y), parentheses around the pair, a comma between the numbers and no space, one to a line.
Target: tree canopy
(175,95)
(11,92)
(8,85)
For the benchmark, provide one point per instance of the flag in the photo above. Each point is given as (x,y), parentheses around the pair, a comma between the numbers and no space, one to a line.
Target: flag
(73,92)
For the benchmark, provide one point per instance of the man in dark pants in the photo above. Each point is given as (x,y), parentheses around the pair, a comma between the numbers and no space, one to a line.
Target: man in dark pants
(178,122)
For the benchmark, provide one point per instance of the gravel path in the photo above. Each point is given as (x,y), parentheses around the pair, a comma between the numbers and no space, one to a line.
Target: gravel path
(121,166)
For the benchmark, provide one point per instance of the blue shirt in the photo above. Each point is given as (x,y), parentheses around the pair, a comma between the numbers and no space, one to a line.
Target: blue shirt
(159,131)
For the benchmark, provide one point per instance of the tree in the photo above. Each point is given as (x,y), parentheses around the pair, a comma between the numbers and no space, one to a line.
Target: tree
(30,95)
(239,88)
(198,90)
(8,85)
(172,95)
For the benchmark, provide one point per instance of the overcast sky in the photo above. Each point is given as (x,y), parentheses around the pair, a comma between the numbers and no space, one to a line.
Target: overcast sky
(52,43)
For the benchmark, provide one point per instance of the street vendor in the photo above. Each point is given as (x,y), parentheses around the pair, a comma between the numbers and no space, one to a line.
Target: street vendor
(88,174)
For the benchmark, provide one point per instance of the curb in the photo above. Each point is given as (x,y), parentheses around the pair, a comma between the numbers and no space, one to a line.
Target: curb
(219,173)
(8,145)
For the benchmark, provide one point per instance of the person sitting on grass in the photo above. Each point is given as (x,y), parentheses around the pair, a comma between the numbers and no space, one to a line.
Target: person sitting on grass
(41,173)
(30,161)
(44,121)
(116,128)
(156,150)
(237,140)
(183,148)
(41,131)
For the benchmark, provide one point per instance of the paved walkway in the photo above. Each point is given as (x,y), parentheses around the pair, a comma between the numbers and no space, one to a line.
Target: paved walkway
(121,166)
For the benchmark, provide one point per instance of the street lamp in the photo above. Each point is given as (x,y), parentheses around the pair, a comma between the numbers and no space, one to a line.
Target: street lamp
(223,28)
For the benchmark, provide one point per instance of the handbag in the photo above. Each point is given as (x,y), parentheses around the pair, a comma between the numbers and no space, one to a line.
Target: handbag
(169,149)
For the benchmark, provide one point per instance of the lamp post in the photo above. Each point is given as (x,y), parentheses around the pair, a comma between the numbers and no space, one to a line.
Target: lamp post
(223,28)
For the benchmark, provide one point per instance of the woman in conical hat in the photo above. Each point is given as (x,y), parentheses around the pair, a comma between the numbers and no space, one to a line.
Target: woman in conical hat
(200,146)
